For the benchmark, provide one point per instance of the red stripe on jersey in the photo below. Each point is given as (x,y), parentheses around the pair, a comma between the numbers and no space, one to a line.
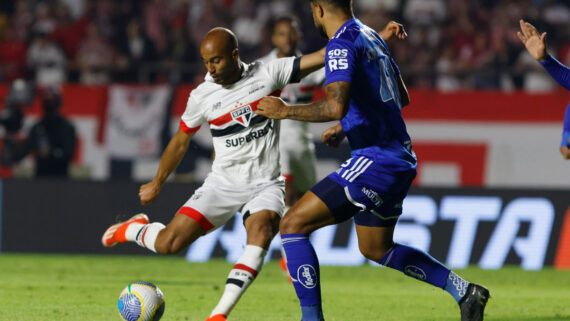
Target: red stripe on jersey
(197,216)
(307,88)
(246,268)
(187,129)
(226,118)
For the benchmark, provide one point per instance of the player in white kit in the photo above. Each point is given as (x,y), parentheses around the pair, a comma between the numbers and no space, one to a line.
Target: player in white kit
(245,174)
(296,141)
(296,147)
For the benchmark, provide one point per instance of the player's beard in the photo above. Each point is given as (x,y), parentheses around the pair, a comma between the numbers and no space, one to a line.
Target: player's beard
(321,30)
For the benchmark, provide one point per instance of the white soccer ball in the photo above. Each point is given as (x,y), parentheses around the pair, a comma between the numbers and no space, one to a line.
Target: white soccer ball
(141,301)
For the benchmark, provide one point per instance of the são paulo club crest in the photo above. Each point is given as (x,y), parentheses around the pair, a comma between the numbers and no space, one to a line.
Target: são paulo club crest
(242,115)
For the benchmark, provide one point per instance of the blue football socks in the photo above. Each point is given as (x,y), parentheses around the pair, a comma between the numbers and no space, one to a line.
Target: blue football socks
(422,266)
(303,267)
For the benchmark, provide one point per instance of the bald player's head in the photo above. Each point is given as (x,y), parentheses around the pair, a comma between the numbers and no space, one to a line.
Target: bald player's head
(220,54)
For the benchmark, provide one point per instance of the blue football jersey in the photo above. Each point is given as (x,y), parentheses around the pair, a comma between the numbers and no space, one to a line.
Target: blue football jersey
(373,125)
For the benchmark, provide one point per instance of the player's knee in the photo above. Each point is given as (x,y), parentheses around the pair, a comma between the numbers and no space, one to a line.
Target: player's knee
(167,243)
(292,224)
(374,253)
(262,231)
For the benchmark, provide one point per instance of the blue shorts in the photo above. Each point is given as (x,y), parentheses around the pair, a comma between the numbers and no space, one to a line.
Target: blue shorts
(365,190)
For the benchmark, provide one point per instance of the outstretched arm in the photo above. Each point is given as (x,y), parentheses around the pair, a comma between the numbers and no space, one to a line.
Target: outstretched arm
(557,70)
(312,62)
(171,157)
(316,60)
(393,29)
(535,44)
(332,107)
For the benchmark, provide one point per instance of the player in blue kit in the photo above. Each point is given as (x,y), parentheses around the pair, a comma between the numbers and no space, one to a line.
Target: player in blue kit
(364,90)
(535,44)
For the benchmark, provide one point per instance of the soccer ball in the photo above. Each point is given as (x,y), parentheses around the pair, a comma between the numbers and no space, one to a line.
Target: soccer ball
(141,301)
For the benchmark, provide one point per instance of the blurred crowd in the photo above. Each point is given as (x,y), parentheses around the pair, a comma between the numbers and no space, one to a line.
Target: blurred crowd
(453,44)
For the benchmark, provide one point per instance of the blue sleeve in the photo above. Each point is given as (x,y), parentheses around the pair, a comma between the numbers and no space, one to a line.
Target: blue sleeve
(340,61)
(566,130)
(558,71)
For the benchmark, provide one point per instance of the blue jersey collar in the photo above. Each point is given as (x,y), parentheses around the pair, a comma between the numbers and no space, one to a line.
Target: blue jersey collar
(344,27)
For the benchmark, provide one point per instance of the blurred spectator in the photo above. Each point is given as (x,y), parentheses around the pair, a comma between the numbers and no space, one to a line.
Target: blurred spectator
(205,15)
(155,20)
(422,58)
(76,7)
(556,13)
(68,32)
(44,22)
(376,5)
(135,49)
(485,50)
(534,78)
(247,26)
(22,20)
(181,51)
(11,120)
(482,59)
(94,58)
(19,97)
(446,69)
(47,60)
(51,140)
(105,11)
(424,12)
(12,55)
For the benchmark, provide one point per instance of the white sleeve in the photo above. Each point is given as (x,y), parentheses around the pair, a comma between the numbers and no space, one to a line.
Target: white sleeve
(280,71)
(193,117)
(316,78)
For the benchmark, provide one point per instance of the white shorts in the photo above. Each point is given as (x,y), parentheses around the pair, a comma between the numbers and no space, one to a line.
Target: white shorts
(213,204)
(298,160)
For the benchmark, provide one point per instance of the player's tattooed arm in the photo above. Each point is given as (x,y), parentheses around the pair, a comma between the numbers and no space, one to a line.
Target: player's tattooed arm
(170,159)
(333,107)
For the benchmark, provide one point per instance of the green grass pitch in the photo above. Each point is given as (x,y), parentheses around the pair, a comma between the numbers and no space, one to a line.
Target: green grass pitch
(74,287)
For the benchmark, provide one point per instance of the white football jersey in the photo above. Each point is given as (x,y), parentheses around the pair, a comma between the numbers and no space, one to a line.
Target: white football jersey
(296,139)
(246,144)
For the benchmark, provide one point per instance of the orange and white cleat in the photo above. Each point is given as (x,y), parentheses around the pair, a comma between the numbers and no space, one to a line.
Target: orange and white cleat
(116,233)
(217,317)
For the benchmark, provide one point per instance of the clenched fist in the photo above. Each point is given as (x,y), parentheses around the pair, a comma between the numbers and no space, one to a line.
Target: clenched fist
(149,192)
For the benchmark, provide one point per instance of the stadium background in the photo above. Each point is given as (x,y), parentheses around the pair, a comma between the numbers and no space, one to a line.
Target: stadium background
(485,120)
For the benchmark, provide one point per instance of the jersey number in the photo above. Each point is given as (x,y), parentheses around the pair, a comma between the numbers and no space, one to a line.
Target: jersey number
(388,85)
